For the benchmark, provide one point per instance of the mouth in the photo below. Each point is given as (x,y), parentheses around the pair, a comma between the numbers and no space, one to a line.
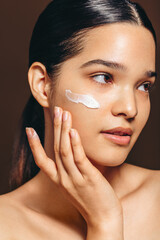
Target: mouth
(121,136)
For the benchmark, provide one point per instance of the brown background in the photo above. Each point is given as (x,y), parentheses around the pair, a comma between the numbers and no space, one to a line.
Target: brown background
(17,19)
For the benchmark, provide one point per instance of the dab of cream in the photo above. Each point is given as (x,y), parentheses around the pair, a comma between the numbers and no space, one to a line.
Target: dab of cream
(87,100)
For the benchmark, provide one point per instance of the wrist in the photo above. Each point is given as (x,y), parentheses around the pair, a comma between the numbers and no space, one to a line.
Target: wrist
(105,232)
(102,223)
(111,229)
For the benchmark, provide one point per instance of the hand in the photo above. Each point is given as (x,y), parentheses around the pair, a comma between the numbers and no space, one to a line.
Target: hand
(81,182)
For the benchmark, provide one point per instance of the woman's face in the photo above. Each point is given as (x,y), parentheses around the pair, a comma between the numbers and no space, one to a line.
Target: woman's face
(119,81)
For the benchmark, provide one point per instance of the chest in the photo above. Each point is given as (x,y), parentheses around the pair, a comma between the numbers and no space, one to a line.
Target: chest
(141,221)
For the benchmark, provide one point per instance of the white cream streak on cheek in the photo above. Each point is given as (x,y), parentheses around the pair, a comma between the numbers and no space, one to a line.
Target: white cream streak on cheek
(87,100)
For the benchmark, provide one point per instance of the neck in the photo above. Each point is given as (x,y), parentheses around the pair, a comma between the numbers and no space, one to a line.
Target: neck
(49,199)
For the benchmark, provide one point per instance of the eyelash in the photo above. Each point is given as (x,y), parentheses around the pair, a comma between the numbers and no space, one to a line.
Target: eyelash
(150,85)
(105,75)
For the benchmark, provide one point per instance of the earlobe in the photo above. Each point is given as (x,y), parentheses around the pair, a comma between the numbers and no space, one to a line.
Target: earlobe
(38,80)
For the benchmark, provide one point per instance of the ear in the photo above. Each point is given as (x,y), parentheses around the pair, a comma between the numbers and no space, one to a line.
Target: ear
(39,82)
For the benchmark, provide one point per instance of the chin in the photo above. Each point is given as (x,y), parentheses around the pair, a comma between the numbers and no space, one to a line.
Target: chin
(110,159)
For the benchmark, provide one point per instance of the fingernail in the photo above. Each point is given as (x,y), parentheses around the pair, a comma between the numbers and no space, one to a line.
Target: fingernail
(56,111)
(65,116)
(31,132)
(73,133)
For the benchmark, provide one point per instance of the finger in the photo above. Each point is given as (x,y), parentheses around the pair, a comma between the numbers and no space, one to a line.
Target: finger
(57,136)
(84,165)
(66,149)
(43,162)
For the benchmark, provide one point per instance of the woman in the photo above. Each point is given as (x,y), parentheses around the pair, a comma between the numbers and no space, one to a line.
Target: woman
(91,69)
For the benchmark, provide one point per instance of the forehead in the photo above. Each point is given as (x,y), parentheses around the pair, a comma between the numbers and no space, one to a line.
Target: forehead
(121,42)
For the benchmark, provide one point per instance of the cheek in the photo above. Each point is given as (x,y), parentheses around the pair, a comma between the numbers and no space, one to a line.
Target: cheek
(84,119)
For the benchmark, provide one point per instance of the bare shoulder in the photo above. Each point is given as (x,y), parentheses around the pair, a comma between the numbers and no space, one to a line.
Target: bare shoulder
(147,183)
(11,217)
(142,173)
(18,221)
(7,205)
(153,182)
(142,179)
(6,213)
(151,179)
(141,206)
(150,196)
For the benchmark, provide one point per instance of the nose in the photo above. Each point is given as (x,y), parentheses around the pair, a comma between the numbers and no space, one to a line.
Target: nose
(125,105)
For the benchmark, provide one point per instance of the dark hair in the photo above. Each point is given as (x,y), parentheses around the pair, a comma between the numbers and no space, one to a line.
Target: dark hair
(58,36)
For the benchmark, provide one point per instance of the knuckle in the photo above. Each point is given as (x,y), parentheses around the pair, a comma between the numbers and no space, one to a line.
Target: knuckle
(76,144)
(57,123)
(78,183)
(56,148)
(64,152)
(66,127)
(39,162)
(64,184)
(80,161)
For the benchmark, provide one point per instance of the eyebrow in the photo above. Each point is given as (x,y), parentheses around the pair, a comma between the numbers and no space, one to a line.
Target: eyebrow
(115,65)
(151,74)
(110,64)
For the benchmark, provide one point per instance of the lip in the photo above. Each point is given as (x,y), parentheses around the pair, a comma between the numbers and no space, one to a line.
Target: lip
(119,135)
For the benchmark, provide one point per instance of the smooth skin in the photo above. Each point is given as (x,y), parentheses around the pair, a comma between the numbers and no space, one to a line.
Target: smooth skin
(84,189)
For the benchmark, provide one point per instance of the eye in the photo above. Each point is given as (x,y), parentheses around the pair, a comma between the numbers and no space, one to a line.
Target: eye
(145,87)
(102,78)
